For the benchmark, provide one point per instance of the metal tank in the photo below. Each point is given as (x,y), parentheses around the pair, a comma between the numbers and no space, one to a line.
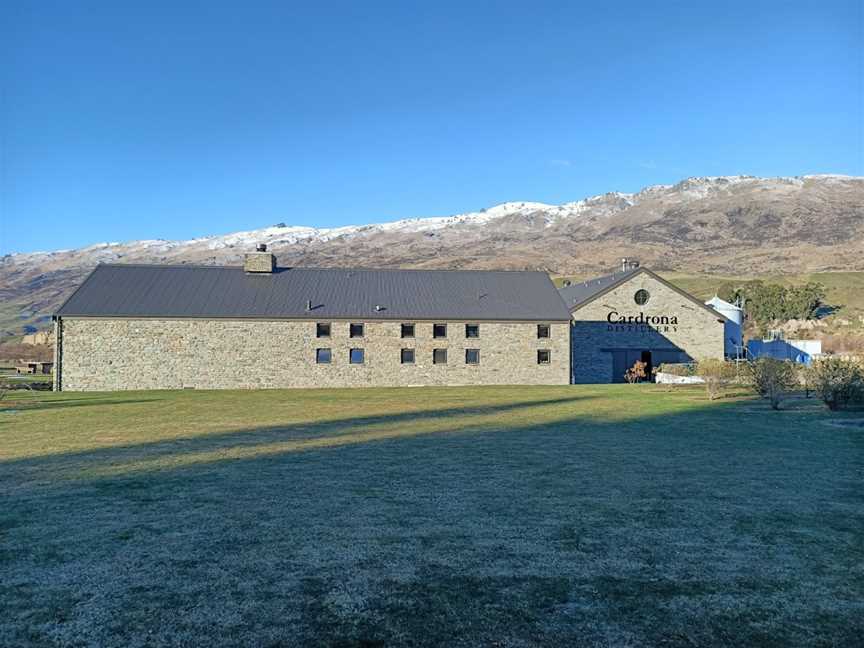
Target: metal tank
(733,345)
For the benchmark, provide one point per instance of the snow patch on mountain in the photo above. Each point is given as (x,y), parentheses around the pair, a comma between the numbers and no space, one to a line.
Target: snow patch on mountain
(591,209)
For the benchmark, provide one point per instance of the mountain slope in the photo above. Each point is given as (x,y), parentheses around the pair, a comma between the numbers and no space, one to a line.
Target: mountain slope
(734,224)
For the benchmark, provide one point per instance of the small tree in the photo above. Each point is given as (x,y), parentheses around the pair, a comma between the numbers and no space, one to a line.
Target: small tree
(772,378)
(715,373)
(806,378)
(637,373)
(804,302)
(766,303)
(838,382)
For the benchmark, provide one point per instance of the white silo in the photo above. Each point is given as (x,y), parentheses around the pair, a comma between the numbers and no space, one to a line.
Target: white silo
(732,331)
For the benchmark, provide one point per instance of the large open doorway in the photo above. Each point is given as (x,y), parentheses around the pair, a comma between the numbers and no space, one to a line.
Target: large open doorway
(624,359)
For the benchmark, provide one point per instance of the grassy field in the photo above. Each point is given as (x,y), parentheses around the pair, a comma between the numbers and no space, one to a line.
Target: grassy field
(565,516)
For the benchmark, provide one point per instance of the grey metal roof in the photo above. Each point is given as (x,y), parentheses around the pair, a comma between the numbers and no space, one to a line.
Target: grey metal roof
(217,291)
(577,293)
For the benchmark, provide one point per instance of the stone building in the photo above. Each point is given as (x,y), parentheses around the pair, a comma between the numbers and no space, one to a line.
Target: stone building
(261,326)
(635,315)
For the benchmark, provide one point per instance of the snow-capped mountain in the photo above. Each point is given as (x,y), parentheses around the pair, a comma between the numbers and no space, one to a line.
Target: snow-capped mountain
(726,224)
(281,235)
(589,209)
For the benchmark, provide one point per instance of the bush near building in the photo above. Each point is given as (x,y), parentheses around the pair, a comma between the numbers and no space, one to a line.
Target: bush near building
(772,379)
(838,382)
(716,373)
(637,373)
(805,375)
(677,369)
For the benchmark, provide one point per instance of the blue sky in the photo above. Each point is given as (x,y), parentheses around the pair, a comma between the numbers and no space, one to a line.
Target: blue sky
(122,121)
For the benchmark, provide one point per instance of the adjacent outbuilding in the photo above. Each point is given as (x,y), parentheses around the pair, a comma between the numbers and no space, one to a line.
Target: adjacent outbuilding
(635,315)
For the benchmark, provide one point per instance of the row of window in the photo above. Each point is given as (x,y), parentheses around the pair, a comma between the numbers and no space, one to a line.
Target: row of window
(406,356)
(356,330)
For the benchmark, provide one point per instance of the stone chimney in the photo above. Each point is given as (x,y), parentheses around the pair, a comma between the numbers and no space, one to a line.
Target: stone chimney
(260,261)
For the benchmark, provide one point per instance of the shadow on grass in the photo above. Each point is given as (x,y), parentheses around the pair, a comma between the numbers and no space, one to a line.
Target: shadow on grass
(250,439)
(29,405)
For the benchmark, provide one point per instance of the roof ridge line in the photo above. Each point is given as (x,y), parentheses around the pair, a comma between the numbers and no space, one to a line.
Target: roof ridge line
(334,268)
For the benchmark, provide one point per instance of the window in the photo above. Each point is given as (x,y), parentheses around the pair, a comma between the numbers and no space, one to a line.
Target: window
(439,330)
(439,356)
(356,330)
(322,356)
(641,297)
(407,330)
(472,330)
(322,329)
(544,356)
(356,356)
(472,356)
(407,356)
(542,330)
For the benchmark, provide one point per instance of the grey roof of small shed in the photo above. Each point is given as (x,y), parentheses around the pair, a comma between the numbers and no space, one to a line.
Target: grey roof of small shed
(230,292)
(578,293)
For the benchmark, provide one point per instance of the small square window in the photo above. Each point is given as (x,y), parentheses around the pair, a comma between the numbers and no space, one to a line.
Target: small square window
(472,356)
(322,356)
(356,330)
(542,330)
(439,330)
(472,330)
(407,330)
(322,329)
(544,356)
(356,356)
(439,356)
(407,356)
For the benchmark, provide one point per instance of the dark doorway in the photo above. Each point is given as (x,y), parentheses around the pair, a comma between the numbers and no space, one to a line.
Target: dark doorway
(646,358)
(624,359)
(619,365)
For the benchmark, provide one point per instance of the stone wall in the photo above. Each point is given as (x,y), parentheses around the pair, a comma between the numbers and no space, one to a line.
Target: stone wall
(112,354)
(697,334)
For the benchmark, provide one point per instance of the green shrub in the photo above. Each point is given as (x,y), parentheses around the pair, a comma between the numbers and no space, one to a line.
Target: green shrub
(768,302)
(716,373)
(772,378)
(838,382)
